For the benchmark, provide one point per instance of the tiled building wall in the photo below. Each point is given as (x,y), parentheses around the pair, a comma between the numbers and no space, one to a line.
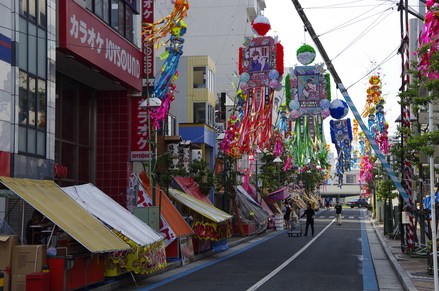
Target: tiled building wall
(113,144)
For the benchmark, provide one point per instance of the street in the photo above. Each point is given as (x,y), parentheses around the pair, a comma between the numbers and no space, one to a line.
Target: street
(336,258)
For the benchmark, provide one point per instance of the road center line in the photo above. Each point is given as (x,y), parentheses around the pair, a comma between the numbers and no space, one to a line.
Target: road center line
(284,264)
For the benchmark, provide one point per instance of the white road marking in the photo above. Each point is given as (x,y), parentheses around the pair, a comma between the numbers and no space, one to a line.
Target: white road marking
(284,264)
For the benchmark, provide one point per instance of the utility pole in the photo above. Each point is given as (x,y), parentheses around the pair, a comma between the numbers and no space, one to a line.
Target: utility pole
(348,99)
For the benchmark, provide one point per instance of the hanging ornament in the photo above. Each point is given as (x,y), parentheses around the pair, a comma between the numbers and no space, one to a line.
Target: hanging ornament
(306,54)
(339,109)
(261,25)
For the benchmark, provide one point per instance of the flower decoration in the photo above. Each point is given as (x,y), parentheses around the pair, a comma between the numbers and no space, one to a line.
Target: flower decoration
(325,104)
(245,77)
(306,54)
(339,109)
(273,74)
(294,105)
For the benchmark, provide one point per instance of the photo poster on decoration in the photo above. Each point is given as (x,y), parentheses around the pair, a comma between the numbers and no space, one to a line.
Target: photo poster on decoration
(186,250)
(340,129)
(309,89)
(256,60)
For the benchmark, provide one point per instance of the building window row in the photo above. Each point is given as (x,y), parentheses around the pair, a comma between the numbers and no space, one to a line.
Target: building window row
(32,61)
(204,113)
(116,13)
(34,11)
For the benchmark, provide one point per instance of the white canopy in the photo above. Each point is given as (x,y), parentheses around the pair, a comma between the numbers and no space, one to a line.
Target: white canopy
(113,214)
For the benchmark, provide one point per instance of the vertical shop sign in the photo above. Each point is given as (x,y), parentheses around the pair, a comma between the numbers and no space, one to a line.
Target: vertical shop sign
(148,50)
(140,134)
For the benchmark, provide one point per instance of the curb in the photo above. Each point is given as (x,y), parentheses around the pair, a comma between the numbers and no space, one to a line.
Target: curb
(402,274)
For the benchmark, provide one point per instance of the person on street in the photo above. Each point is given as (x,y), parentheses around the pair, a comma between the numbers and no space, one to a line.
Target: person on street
(338,212)
(286,209)
(310,213)
(328,203)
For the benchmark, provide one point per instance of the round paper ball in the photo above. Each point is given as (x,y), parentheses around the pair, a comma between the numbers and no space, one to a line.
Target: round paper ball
(273,83)
(294,114)
(294,105)
(306,54)
(279,86)
(325,104)
(339,109)
(326,112)
(244,86)
(244,77)
(273,74)
(261,25)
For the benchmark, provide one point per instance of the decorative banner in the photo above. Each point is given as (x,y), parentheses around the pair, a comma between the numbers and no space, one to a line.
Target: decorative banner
(138,259)
(341,135)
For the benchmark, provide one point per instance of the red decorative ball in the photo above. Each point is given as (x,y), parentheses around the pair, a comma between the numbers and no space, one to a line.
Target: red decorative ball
(261,25)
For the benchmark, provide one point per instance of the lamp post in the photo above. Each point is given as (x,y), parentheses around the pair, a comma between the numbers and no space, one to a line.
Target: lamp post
(278,160)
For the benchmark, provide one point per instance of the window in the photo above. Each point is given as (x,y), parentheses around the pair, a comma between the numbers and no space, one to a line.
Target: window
(200,77)
(350,179)
(32,115)
(32,50)
(116,13)
(74,130)
(204,113)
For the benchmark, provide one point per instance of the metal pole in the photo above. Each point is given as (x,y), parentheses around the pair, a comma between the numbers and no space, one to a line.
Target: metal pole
(433,202)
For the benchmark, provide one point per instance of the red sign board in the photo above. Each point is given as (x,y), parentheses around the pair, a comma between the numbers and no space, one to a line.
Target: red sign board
(148,50)
(140,150)
(87,36)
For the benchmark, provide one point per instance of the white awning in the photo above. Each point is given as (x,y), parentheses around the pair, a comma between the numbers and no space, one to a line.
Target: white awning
(113,214)
(48,198)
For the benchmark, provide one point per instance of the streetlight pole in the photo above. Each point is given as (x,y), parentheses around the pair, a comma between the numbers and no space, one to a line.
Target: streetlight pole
(278,160)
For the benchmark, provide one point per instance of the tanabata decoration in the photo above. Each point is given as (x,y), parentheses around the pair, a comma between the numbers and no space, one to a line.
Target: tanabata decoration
(376,119)
(155,32)
(428,37)
(260,69)
(309,105)
(164,86)
(341,136)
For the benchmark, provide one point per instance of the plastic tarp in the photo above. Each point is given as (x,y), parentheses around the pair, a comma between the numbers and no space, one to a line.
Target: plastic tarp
(5,229)
(250,210)
(190,187)
(113,214)
(427,200)
(148,246)
(48,198)
(251,190)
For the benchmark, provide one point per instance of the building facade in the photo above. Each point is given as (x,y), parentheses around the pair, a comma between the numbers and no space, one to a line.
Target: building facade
(71,71)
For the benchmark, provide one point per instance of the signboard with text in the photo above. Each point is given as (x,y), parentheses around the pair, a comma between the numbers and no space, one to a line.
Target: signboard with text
(84,34)
(148,50)
(140,147)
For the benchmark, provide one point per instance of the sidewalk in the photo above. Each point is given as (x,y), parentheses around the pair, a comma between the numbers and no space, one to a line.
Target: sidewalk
(412,272)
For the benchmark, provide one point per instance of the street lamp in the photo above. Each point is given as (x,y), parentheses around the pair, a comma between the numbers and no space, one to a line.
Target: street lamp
(278,160)
(150,104)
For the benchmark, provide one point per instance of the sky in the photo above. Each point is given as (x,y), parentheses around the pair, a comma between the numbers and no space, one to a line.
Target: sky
(360,37)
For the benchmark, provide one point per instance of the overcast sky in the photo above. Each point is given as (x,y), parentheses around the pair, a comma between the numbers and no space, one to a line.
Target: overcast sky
(357,36)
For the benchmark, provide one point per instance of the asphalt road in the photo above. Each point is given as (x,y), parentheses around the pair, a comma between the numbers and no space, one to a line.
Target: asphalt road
(336,258)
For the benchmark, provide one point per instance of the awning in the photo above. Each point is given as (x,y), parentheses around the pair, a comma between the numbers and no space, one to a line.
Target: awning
(171,215)
(113,214)
(277,196)
(51,201)
(199,206)
(190,187)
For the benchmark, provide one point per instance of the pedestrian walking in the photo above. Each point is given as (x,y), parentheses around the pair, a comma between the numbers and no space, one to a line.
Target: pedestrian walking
(286,209)
(310,213)
(328,203)
(338,212)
